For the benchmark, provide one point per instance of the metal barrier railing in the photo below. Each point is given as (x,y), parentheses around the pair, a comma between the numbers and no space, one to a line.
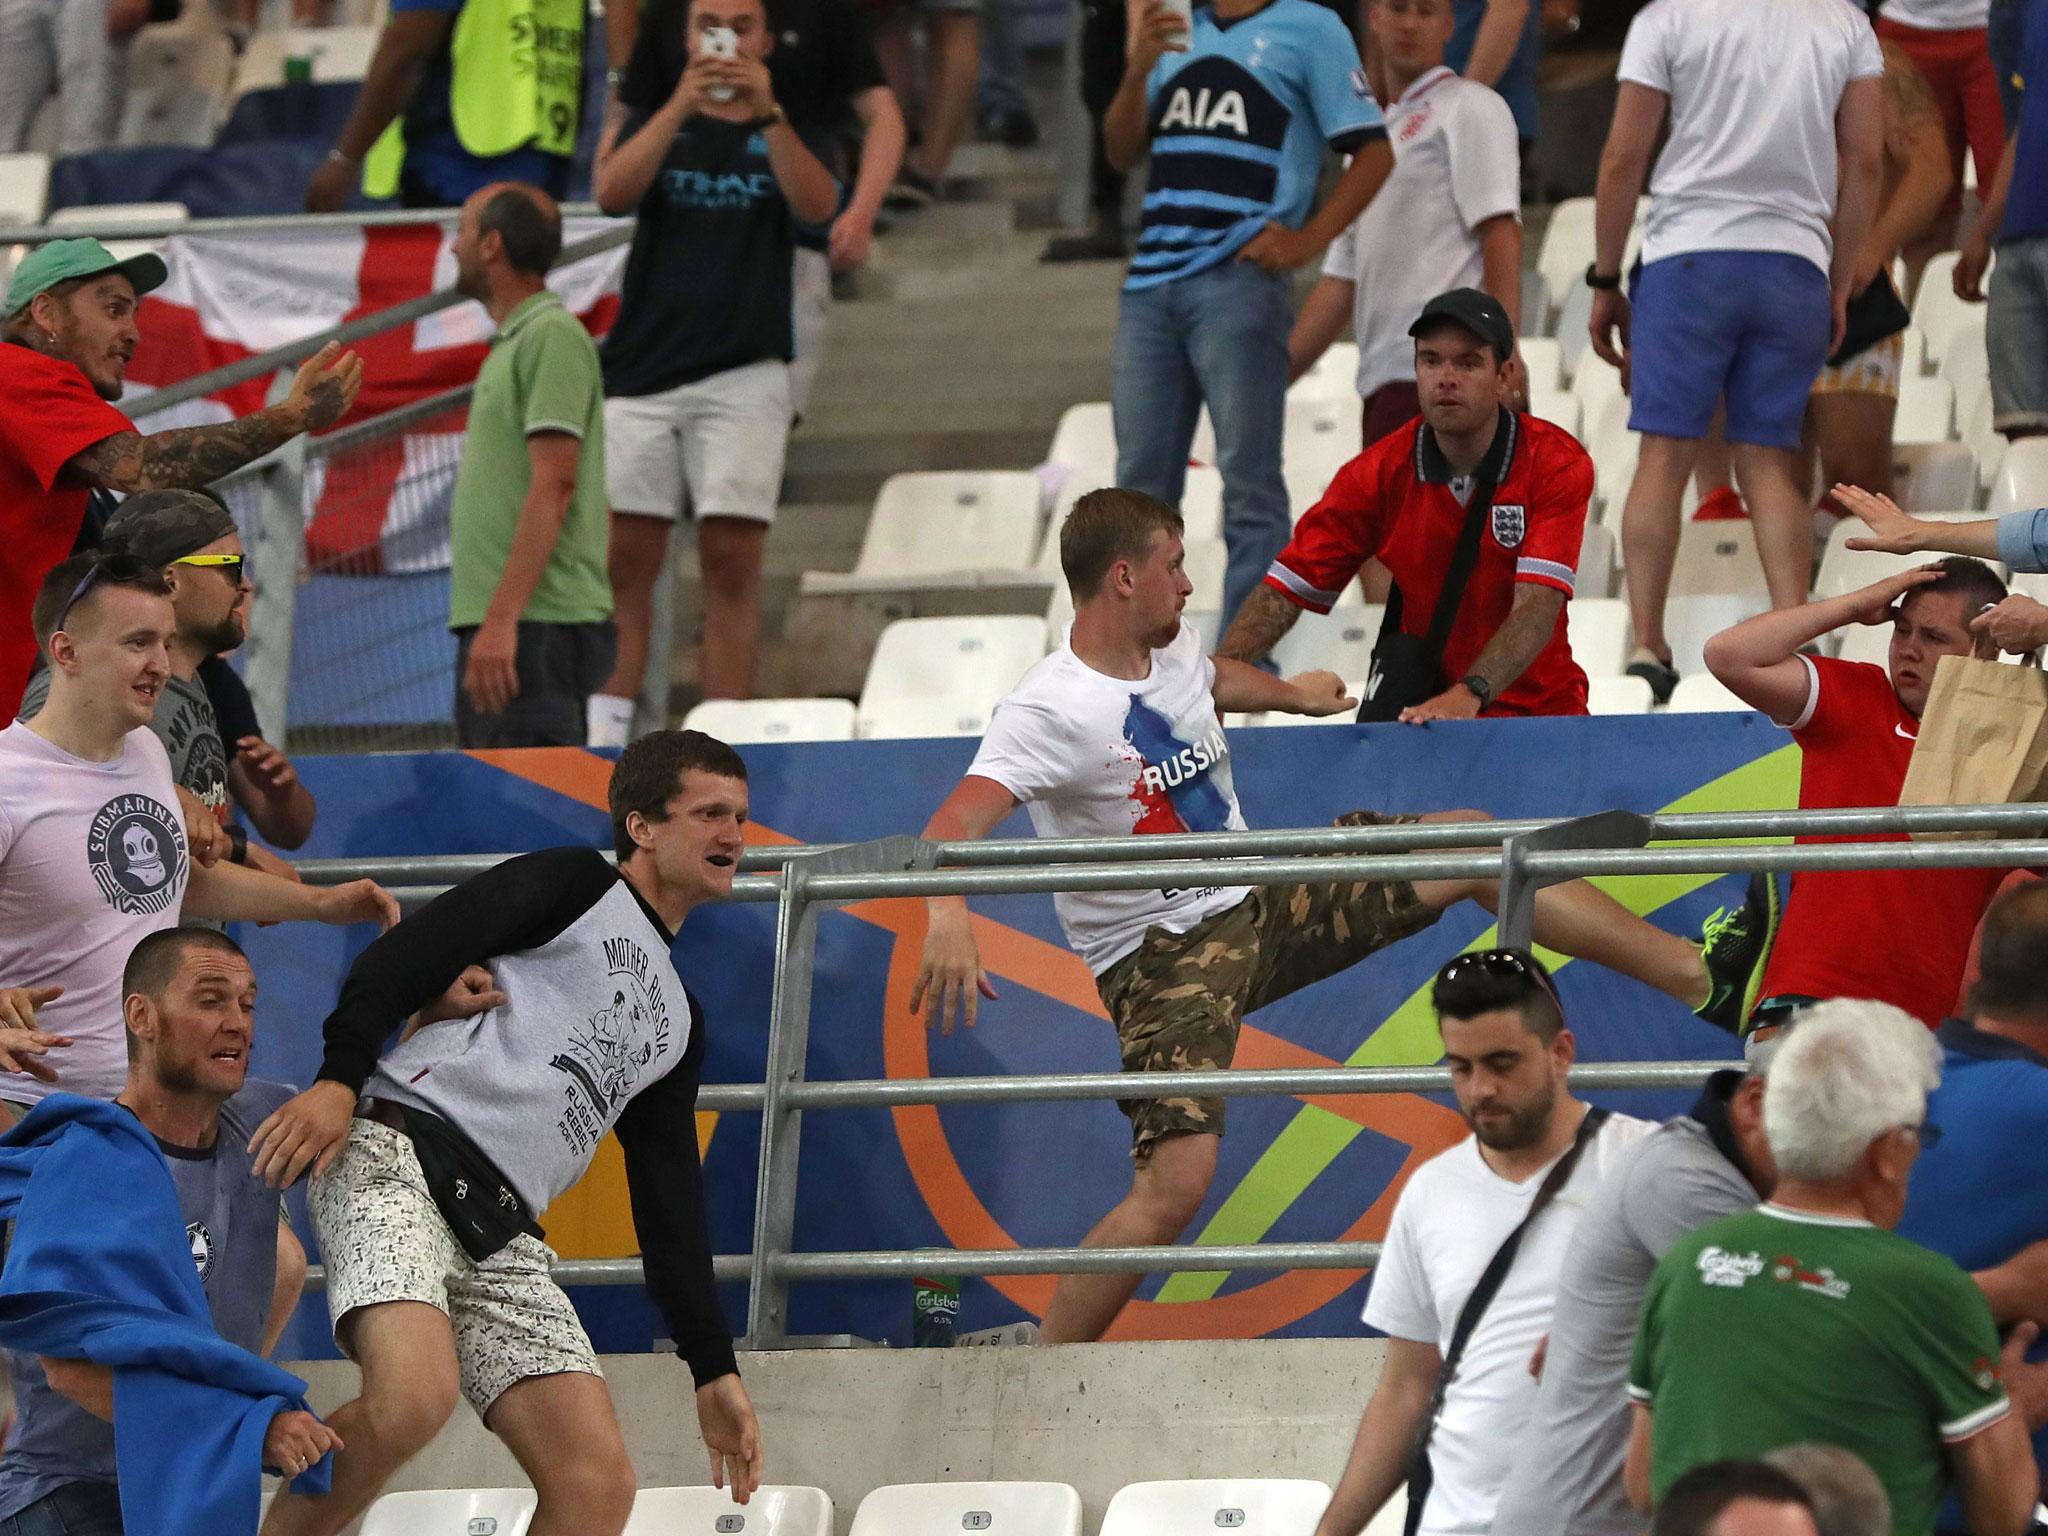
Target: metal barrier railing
(1526,855)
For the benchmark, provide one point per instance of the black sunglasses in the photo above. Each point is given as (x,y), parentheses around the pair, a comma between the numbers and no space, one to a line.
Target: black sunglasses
(119,569)
(1499,963)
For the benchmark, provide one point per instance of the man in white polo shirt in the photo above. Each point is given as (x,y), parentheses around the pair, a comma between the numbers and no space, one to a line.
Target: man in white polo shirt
(1462,1310)
(1761,207)
(1448,217)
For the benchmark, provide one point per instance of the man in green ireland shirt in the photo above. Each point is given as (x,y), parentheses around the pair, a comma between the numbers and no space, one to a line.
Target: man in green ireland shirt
(1808,1319)
(532,605)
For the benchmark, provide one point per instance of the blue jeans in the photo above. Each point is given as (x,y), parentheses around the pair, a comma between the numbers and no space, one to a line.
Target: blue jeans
(2016,336)
(76,1509)
(1220,338)
(1001,86)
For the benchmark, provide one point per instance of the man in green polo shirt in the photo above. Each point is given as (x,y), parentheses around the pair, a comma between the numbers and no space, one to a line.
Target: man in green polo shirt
(532,605)
(1808,1319)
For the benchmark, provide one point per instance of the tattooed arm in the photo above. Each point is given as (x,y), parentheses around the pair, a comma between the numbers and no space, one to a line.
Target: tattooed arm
(1266,615)
(190,457)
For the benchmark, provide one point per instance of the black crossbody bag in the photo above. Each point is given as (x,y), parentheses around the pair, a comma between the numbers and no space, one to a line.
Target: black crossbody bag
(1408,669)
(1420,1476)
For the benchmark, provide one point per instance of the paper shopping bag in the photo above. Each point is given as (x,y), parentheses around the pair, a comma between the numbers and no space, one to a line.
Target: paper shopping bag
(1983,739)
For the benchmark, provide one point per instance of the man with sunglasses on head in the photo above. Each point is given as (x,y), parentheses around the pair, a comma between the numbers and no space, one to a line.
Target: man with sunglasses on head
(191,538)
(68,333)
(1466,1282)
(93,851)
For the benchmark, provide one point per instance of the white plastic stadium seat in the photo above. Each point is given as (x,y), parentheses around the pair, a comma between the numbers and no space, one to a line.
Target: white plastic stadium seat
(750,722)
(1913,362)
(1322,436)
(1599,555)
(1333,376)
(1717,557)
(1558,407)
(1599,632)
(1937,312)
(1544,359)
(337,53)
(1702,693)
(1535,303)
(1618,696)
(1567,248)
(1201,503)
(24,187)
(968,663)
(1964,360)
(1085,441)
(178,78)
(2021,483)
(1974,416)
(1929,477)
(1926,412)
(946,1509)
(902,719)
(1262,1506)
(452,1512)
(711,1512)
(935,521)
(1340,641)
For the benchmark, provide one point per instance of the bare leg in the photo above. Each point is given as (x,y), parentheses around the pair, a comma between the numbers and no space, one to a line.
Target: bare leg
(897,51)
(1649,534)
(1853,435)
(1165,1194)
(1576,919)
(633,561)
(565,1434)
(1710,468)
(952,65)
(1778,509)
(407,1352)
(730,550)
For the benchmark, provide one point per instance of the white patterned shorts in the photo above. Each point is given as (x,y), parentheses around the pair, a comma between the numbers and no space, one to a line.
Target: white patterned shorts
(384,1239)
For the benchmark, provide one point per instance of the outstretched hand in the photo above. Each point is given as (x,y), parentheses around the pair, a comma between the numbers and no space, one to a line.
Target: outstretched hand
(1893,531)
(950,980)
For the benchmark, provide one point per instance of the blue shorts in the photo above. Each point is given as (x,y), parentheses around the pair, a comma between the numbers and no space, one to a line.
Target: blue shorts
(1748,326)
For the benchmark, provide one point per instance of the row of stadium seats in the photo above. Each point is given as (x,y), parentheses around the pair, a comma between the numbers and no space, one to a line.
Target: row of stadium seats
(1248,1506)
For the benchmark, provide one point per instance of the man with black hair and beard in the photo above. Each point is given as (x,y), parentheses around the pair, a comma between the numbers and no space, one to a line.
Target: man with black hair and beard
(192,539)
(1509,1052)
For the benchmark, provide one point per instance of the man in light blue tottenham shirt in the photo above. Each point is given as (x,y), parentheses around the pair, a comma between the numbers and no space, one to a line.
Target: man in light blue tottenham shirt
(2020,539)
(1236,112)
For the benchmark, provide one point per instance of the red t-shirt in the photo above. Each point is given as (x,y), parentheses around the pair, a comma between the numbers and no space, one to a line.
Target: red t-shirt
(1899,936)
(1396,501)
(49,413)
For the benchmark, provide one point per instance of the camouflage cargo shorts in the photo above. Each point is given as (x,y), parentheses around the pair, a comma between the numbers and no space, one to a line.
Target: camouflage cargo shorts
(1178,999)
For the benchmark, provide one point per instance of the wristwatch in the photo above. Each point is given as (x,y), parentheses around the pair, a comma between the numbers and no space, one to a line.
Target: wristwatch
(1479,688)
(1604,282)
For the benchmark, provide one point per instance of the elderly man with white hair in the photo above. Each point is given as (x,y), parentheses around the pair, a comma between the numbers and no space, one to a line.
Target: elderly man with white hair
(1808,1319)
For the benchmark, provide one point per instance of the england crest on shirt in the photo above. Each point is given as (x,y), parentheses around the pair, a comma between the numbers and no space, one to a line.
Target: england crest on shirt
(1510,522)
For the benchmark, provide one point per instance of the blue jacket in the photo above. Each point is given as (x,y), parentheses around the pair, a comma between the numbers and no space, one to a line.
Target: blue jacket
(100,1269)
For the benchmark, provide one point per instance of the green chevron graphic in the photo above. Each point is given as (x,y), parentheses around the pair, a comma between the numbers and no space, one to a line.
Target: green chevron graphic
(1315,1137)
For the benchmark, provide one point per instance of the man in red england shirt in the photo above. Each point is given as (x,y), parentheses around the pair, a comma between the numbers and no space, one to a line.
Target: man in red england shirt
(1899,936)
(65,343)
(1404,501)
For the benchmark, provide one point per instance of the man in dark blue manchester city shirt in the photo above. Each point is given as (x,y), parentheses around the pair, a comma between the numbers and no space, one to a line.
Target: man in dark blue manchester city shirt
(1236,113)
(1977,1197)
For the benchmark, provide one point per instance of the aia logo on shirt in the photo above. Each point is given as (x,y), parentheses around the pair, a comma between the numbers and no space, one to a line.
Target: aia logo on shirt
(136,852)
(1510,522)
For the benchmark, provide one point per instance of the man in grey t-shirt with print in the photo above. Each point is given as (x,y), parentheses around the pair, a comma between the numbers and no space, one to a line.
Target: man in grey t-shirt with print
(188,998)
(1710,1163)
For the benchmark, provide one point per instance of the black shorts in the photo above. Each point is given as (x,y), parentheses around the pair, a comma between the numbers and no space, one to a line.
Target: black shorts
(560,666)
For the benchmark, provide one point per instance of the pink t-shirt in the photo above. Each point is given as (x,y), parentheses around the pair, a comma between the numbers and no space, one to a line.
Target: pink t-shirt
(92,860)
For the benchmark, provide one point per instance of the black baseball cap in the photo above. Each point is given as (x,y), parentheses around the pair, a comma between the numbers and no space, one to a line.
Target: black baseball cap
(158,527)
(1480,313)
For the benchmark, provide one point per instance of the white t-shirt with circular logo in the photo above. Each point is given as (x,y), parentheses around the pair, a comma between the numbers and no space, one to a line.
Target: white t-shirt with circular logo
(92,860)
(1097,756)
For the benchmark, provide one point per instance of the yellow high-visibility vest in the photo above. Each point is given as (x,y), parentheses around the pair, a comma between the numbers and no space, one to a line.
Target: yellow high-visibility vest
(515,78)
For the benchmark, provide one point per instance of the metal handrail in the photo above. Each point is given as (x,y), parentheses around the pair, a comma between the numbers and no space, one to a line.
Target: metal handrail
(1530,852)
(248,224)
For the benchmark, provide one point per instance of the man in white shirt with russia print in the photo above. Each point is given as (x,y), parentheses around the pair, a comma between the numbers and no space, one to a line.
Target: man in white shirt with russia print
(1509,1053)
(1116,733)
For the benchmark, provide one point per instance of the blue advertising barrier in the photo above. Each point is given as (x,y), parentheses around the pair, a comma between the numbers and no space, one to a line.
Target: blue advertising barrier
(1040,1173)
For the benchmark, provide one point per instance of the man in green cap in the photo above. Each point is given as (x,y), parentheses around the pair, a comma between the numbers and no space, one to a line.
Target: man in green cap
(65,343)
